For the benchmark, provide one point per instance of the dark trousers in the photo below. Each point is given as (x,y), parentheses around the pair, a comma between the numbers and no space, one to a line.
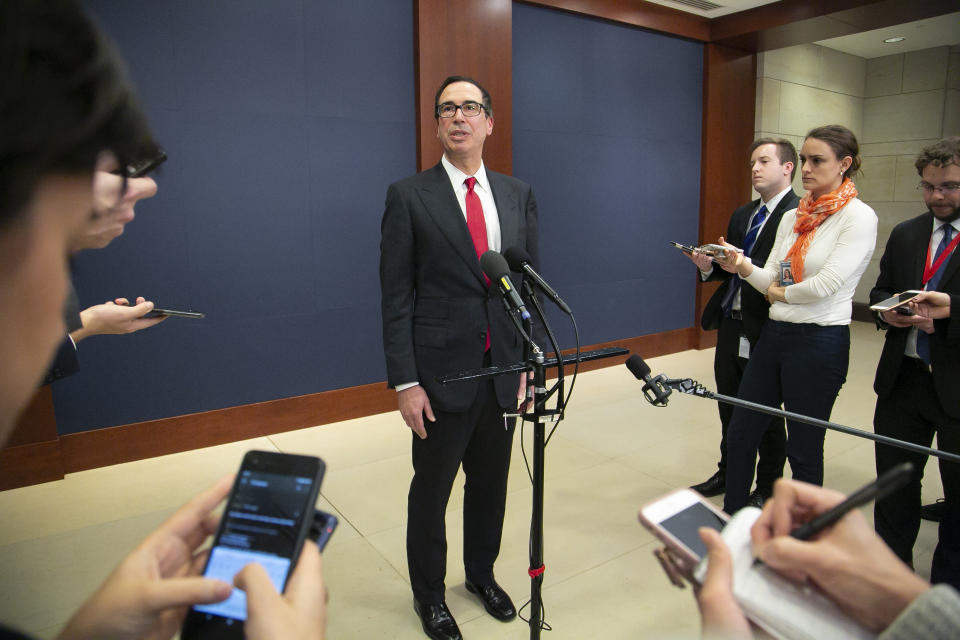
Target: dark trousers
(728,368)
(912,412)
(803,367)
(477,439)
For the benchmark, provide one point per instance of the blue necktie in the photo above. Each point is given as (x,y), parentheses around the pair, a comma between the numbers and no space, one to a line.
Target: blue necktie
(748,242)
(923,339)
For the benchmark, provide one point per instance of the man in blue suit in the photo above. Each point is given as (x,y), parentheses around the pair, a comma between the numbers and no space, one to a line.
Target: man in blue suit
(441,316)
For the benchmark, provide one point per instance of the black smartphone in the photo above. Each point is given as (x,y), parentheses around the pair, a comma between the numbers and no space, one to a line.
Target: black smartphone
(324,524)
(267,518)
(141,168)
(173,312)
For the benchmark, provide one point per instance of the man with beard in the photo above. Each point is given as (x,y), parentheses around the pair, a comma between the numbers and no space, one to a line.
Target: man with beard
(919,370)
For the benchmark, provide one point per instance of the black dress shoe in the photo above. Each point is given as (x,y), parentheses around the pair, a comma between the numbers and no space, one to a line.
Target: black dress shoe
(756,499)
(712,486)
(495,600)
(437,621)
(933,511)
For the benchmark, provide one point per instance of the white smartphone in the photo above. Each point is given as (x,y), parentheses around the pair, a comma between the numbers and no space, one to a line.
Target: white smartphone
(676,518)
(896,302)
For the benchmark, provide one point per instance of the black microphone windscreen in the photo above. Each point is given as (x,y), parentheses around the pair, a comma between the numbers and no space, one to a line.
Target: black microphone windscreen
(638,367)
(516,257)
(494,265)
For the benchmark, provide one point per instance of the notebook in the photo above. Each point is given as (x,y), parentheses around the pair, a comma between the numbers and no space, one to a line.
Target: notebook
(782,608)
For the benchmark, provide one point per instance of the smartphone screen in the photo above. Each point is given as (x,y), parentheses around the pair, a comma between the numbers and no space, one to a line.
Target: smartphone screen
(266,520)
(684,526)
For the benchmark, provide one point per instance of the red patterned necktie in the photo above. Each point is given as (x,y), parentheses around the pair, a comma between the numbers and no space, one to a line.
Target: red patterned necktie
(478,229)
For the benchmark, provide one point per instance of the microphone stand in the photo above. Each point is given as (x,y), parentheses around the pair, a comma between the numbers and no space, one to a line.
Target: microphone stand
(691,387)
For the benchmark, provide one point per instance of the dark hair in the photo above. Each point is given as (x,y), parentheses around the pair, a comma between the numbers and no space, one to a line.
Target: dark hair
(487,105)
(940,154)
(786,152)
(64,99)
(843,143)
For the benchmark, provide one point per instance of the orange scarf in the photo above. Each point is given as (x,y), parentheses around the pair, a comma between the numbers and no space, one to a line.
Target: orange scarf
(810,215)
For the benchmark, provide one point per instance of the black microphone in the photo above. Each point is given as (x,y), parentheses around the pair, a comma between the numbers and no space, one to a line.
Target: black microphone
(497,269)
(641,371)
(519,260)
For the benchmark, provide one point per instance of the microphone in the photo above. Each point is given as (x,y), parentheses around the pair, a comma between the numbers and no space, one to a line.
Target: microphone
(519,260)
(496,268)
(641,370)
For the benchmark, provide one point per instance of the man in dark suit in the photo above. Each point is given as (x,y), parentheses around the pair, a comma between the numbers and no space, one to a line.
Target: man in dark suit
(918,376)
(441,316)
(738,311)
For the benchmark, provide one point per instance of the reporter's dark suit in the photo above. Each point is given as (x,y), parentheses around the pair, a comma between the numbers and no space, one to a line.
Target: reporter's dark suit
(436,309)
(728,367)
(912,403)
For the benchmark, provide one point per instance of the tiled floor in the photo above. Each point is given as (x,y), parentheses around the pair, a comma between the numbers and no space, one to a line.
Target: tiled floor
(613,453)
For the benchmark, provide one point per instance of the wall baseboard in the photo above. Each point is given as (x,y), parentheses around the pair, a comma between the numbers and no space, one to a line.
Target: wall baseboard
(49,460)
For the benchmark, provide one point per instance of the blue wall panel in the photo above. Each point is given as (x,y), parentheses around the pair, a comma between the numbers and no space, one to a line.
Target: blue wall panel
(606,127)
(284,122)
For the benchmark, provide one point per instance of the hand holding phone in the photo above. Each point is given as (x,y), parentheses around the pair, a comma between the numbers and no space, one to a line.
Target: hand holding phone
(676,519)
(266,521)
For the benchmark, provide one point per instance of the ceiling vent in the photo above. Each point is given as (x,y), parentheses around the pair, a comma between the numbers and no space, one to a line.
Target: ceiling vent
(703,5)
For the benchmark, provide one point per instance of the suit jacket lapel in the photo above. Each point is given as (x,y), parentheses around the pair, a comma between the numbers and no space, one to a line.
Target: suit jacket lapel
(441,204)
(921,242)
(508,210)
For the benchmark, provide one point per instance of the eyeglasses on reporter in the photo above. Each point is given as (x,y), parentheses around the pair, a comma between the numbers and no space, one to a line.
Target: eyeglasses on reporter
(470,109)
(946,188)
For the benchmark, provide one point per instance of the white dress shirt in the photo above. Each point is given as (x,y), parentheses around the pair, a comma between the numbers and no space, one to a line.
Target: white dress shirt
(483,191)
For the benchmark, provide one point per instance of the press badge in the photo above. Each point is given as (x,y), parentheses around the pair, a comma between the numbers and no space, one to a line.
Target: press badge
(744,351)
(786,273)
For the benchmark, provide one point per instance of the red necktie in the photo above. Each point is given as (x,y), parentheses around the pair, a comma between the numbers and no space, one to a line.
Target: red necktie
(478,229)
(475,221)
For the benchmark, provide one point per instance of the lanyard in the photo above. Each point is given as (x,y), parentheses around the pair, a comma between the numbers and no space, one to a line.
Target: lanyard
(930,269)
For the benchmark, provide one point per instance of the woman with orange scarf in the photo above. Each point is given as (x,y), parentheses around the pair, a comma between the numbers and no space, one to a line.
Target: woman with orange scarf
(821,251)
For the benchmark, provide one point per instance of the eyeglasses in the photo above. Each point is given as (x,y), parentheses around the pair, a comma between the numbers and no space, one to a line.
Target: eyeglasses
(469,109)
(946,188)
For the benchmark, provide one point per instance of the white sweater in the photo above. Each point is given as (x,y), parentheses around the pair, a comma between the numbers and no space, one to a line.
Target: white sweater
(837,257)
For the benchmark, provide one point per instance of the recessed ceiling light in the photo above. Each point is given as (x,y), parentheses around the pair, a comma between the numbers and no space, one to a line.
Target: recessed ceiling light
(892,40)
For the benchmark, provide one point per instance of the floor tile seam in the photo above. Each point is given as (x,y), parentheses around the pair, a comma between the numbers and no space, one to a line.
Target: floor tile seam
(585,570)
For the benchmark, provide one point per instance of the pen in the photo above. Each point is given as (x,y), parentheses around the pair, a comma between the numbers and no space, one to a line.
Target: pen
(895,478)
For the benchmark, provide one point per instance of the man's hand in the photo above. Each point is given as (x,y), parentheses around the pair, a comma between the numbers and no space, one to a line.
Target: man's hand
(525,380)
(115,318)
(414,404)
(703,261)
(112,207)
(720,615)
(148,594)
(847,561)
(895,319)
(931,304)
(300,613)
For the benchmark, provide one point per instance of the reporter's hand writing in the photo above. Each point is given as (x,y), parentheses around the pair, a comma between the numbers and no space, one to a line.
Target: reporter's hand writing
(414,404)
(115,318)
(148,594)
(847,561)
(300,613)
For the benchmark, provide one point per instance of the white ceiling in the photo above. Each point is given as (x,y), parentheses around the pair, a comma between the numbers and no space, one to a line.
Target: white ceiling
(922,34)
(726,6)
